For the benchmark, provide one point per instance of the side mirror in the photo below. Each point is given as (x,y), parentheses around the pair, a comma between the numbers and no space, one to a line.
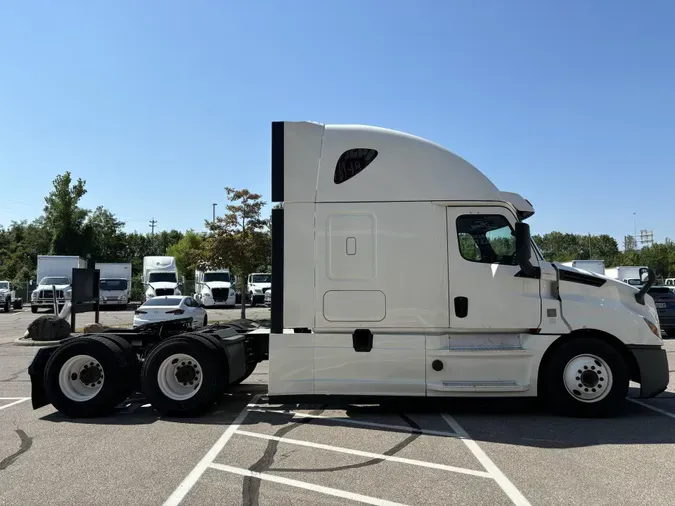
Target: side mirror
(524,250)
(648,278)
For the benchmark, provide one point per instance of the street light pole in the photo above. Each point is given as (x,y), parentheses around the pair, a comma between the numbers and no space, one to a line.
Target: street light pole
(214,211)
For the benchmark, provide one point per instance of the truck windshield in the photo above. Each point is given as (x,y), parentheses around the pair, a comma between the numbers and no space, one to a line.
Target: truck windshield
(217,276)
(162,277)
(54,281)
(114,284)
(261,278)
(3,285)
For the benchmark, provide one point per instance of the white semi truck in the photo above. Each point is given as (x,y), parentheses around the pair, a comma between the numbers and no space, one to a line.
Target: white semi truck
(214,288)
(400,271)
(160,276)
(115,283)
(597,266)
(54,272)
(258,283)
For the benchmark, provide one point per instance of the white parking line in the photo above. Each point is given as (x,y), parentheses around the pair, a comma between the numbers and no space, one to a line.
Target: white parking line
(307,486)
(350,421)
(177,496)
(360,453)
(19,401)
(653,408)
(504,483)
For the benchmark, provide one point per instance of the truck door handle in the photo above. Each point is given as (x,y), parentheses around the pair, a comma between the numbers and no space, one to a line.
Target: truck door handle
(362,339)
(461,307)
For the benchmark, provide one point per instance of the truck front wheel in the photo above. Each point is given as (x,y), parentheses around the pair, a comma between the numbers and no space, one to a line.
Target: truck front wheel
(585,377)
(181,376)
(6,305)
(33,309)
(85,378)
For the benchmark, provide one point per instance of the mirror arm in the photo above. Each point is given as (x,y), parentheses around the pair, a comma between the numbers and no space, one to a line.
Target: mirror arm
(651,279)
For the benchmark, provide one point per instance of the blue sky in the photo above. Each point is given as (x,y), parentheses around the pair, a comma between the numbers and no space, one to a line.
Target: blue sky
(160,105)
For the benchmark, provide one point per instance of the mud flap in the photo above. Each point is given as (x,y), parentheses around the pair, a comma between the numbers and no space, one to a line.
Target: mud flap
(36,370)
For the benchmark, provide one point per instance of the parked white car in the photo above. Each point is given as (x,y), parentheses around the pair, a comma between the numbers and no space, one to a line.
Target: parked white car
(165,308)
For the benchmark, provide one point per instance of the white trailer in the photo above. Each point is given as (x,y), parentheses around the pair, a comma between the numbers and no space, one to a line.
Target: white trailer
(597,266)
(54,272)
(214,288)
(400,271)
(631,274)
(160,276)
(115,283)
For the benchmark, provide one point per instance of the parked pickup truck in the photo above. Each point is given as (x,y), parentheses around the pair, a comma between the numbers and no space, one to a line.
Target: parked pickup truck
(8,299)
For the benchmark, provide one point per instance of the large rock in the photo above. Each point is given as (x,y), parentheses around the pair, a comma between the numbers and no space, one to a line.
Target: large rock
(48,328)
(92,328)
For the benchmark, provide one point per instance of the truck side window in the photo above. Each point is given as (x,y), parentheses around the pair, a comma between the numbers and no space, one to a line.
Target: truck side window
(351,162)
(487,239)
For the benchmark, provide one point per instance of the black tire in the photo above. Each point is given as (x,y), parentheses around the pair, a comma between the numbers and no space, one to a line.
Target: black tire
(555,393)
(250,367)
(206,320)
(132,367)
(33,309)
(111,394)
(6,305)
(203,352)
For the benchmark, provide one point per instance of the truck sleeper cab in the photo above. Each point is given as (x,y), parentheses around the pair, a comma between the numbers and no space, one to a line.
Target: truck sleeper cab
(405,272)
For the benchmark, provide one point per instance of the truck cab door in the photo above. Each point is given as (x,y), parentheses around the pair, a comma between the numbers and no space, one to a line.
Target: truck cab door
(488,291)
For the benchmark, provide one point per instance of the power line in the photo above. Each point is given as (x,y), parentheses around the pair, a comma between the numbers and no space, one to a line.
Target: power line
(153,222)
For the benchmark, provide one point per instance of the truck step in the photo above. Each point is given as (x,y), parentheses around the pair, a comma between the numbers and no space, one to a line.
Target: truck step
(478,386)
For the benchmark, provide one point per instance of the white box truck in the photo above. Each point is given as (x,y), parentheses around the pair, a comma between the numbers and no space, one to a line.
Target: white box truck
(54,272)
(400,271)
(597,266)
(631,274)
(115,284)
(160,276)
(214,288)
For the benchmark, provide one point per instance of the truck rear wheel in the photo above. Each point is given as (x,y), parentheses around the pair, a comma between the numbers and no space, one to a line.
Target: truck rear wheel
(18,304)
(585,377)
(85,378)
(132,368)
(181,376)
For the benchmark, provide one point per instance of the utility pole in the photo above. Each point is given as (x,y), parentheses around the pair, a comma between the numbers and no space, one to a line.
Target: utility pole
(590,247)
(153,222)
(214,211)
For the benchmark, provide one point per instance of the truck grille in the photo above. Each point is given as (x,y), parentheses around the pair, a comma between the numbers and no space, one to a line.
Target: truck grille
(164,291)
(220,293)
(48,294)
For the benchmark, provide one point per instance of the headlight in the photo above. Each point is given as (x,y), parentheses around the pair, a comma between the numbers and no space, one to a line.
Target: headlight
(654,328)
(34,295)
(67,294)
(177,291)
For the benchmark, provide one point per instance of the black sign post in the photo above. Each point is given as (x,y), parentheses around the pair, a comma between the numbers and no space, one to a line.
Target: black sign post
(85,293)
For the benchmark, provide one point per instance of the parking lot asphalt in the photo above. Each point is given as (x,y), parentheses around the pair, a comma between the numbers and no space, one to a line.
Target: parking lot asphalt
(249,452)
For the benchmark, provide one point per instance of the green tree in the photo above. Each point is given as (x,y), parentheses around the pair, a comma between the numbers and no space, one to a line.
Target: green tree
(187,251)
(107,243)
(239,240)
(64,218)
